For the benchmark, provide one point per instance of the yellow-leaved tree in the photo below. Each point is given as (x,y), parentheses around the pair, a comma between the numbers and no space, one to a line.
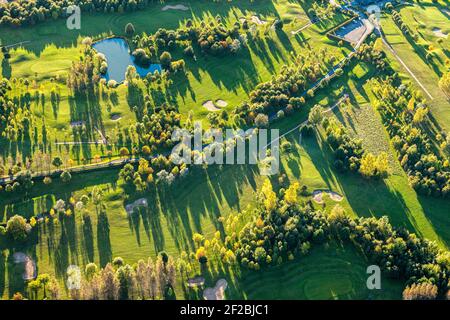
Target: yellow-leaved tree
(374,166)
(270,198)
(291,195)
(444,83)
(420,114)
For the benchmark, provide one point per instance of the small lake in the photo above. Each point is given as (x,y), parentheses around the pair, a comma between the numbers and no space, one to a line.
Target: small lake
(119,57)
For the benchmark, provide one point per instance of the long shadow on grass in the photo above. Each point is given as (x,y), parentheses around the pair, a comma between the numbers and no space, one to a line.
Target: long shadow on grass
(437,212)
(88,239)
(189,201)
(366,197)
(2,273)
(103,239)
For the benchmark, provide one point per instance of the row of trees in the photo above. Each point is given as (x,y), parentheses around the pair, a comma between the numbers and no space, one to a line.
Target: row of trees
(119,281)
(428,171)
(213,38)
(288,90)
(281,228)
(159,170)
(15,118)
(24,12)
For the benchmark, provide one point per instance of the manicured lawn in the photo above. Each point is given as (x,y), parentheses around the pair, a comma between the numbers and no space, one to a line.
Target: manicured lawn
(53,48)
(423,19)
(327,273)
(196,203)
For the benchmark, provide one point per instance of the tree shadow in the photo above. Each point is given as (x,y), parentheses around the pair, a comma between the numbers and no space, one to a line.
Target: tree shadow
(103,239)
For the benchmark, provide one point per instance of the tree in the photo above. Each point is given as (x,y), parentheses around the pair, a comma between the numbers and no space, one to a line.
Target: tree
(315,115)
(260,255)
(34,286)
(374,166)
(90,270)
(57,162)
(124,152)
(291,195)
(261,120)
(270,198)
(420,291)
(44,280)
(125,279)
(420,114)
(17,228)
(109,283)
(129,29)
(66,176)
(198,239)
(444,83)
(165,59)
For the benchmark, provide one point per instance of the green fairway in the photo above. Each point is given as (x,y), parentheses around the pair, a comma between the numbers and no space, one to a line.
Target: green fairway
(108,119)
(423,20)
(53,48)
(326,273)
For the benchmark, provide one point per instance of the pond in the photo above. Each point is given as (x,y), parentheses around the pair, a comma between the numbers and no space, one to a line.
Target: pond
(119,57)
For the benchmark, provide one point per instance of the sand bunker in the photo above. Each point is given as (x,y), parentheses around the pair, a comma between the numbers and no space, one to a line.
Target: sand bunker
(438,33)
(221,103)
(138,203)
(28,264)
(216,293)
(181,7)
(196,282)
(209,105)
(215,106)
(317,196)
(257,20)
(115,117)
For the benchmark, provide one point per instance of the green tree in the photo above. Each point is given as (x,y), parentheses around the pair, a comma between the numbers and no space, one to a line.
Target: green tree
(44,279)
(129,29)
(315,115)
(66,176)
(165,59)
(17,228)
(57,162)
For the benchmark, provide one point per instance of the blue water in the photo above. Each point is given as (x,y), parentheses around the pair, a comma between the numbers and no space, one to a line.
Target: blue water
(119,57)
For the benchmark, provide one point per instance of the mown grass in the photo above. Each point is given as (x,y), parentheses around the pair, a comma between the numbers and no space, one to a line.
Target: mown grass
(329,272)
(53,48)
(196,203)
(423,19)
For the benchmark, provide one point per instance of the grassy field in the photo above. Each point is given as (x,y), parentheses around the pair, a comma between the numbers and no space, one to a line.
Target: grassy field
(175,215)
(53,48)
(327,273)
(196,203)
(422,19)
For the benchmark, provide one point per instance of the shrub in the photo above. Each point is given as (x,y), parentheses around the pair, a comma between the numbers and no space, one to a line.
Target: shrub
(17,228)
(261,120)
(66,176)
(165,59)
(129,29)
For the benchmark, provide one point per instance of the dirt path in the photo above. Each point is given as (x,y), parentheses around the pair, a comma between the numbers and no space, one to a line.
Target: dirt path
(310,23)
